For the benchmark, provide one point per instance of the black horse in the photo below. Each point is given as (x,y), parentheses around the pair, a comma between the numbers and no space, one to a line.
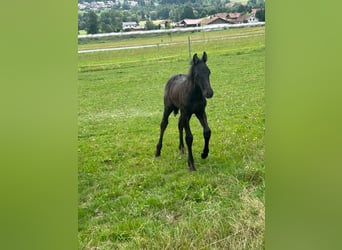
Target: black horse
(188,94)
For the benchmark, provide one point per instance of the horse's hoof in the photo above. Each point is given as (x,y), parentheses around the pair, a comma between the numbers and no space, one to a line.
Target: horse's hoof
(204,155)
(192,169)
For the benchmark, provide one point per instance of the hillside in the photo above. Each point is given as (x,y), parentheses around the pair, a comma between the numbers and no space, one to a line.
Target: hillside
(108,16)
(94,5)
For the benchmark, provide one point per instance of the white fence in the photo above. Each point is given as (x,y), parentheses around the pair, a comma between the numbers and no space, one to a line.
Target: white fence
(202,28)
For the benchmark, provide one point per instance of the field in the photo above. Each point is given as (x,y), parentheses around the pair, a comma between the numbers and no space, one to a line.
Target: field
(128,199)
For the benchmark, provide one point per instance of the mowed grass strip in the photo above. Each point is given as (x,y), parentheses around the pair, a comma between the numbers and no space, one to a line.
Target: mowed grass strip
(128,199)
(166,38)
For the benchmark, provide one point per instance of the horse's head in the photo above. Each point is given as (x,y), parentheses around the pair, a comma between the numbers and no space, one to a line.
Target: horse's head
(200,75)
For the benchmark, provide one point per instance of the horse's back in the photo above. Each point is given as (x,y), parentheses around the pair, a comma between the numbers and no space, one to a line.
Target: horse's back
(175,89)
(176,84)
(176,80)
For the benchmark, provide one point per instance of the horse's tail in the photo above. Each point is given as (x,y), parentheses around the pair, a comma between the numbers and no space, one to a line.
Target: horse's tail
(175,111)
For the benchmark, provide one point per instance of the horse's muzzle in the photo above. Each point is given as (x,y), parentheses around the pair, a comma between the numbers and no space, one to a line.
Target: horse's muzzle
(209,94)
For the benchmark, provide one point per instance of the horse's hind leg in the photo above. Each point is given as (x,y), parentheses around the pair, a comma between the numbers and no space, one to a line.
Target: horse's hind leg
(202,117)
(180,128)
(163,125)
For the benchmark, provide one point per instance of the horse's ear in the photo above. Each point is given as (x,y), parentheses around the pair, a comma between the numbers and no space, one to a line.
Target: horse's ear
(204,57)
(195,59)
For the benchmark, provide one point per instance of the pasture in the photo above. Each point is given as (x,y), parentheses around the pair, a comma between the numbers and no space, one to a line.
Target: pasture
(128,199)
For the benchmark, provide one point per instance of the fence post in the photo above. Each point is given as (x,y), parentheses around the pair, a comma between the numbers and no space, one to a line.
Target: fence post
(189,48)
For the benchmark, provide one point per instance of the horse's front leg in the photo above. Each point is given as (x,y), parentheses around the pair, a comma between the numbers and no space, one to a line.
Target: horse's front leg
(202,117)
(189,139)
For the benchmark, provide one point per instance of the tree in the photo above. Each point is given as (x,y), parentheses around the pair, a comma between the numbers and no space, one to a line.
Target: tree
(260,14)
(163,13)
(252,2)
(81,22)
(125,5)
(116,17)
(150,25)
(175,14)
(153,15)
(92,24)
(167,25)
(106,22)
(241,8)
(187,12)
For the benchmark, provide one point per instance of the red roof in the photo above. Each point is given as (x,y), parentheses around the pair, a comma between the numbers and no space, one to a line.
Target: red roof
(191,21)
(222,15)
(254,11)
(233,15)
(215,19)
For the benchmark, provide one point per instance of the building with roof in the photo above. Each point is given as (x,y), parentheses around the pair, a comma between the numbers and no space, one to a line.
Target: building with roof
(214,20)
(190,22)
(129,25)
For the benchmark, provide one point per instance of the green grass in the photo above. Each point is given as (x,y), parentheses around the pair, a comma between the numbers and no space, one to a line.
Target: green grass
(82,32)
(132,40)
(128,199)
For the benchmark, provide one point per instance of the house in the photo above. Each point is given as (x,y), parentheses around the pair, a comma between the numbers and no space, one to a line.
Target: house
(235,18)
(129,25)
(234,15)
(222,15)
(244,18)
(254,11)
(253,19)
(137,28)
(190,22)
(215,20)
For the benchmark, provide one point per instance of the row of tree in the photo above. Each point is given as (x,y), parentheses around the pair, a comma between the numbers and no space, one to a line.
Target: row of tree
(111,20)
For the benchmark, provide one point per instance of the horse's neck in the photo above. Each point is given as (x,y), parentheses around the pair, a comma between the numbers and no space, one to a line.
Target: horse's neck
(193,89)
(190,83)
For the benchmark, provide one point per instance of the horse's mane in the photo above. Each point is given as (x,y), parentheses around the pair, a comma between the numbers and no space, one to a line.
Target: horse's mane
(191,70)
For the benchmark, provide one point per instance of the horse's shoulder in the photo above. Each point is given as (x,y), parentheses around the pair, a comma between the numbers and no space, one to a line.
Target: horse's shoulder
(179,77)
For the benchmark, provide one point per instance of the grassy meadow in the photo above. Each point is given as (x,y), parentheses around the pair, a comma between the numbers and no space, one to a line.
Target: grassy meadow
(128,199)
